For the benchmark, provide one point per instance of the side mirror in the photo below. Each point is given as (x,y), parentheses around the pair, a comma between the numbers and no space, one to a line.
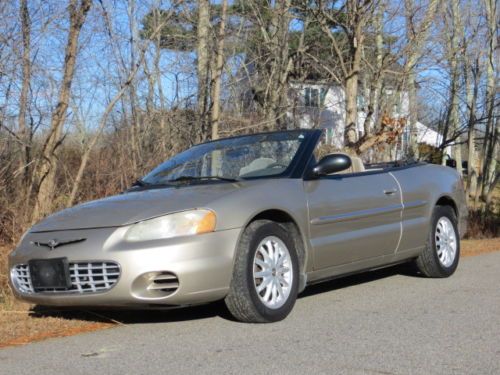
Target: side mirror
(332,163)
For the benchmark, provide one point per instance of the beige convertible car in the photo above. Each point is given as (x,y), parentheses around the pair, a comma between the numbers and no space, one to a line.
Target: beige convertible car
(252,220)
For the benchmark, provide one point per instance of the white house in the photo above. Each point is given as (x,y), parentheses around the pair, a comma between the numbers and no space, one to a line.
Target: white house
(323,106)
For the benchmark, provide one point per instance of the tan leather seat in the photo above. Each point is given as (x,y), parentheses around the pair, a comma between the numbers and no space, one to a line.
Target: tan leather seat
(257,164)
(357,165)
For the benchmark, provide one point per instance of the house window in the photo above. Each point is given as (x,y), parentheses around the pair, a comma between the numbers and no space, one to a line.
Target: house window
(315,98)
(360,101)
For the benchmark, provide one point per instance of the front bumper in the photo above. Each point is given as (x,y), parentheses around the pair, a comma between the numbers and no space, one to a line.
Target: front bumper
(203,265)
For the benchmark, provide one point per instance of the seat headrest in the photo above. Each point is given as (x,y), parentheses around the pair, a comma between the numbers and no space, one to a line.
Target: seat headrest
(356,164)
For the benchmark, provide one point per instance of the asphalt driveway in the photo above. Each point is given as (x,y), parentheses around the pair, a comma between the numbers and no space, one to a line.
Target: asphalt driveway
(383,322)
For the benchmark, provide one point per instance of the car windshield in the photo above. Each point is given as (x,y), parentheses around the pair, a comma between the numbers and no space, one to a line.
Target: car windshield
(230,159)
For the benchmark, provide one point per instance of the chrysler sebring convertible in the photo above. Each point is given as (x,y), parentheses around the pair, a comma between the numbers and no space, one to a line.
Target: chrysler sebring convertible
(252,220)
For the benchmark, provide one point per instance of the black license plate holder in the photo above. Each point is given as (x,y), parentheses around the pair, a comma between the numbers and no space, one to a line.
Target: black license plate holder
(50,273)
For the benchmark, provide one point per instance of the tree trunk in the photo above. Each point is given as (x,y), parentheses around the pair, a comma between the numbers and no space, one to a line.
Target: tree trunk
(203,69)
(471,87)
(351,84)
(46,169)
(492,157)
(165,135)
(217,78)
(351,118)
(492,186)
(25,86)
(412,116)
(452,121)
(491,137)
(280,66)
(377,76)
(135,129)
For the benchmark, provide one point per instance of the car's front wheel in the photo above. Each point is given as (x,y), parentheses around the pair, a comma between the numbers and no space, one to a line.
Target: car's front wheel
(265,277)
(442,252)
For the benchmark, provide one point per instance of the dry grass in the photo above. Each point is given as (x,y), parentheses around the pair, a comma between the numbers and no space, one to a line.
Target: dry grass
(24,325)
(6,299)
(483,224)
(477,247)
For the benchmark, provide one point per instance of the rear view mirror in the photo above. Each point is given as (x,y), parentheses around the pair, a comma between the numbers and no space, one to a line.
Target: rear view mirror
(331,164)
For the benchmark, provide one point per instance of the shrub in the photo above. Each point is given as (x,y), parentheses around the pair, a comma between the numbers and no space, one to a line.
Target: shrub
(483,223)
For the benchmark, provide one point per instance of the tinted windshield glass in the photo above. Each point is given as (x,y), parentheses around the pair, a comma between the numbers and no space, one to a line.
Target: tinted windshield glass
(235,158)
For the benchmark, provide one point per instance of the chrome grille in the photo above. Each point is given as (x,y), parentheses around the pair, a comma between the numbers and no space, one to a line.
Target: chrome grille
(86,277)
(21,278)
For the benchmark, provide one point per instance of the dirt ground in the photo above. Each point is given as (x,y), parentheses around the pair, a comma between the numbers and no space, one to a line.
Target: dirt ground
(22,323)
(476,247)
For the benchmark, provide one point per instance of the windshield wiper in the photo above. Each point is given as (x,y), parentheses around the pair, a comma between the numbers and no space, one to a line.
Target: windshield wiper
(199,178)
(140,183)
(144,185)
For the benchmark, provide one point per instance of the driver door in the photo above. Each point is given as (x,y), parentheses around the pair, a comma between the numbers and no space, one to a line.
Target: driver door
(353,217)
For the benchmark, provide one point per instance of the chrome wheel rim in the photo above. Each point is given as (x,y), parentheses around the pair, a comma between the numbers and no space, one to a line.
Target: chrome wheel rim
(446,241)
(272,272)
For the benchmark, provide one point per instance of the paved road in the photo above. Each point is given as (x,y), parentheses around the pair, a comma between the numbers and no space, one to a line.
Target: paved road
(384,322)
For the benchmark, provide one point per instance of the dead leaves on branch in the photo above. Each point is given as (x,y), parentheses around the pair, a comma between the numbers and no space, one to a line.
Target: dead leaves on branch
(388,134)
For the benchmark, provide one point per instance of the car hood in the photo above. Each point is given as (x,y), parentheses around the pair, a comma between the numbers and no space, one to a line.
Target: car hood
(132,207)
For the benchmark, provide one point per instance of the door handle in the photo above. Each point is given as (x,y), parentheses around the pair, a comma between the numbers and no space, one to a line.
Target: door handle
(390,191)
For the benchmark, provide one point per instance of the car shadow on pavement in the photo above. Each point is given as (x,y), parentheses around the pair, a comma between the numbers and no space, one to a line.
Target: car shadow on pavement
(215,309)
(342,282)
(135,316)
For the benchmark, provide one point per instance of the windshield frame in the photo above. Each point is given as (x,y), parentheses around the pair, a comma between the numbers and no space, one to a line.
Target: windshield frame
(294,170)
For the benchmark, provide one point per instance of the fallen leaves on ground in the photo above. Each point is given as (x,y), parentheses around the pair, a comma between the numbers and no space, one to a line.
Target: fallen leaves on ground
(476,247)
(23,325)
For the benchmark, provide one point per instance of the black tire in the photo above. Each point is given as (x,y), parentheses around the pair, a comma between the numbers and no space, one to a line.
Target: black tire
(428,262)
(242,299)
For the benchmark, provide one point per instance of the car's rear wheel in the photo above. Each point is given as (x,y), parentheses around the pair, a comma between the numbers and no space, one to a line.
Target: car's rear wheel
(265,277)
(442,252)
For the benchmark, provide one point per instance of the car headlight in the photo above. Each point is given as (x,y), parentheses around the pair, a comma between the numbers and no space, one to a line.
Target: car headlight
(173,225)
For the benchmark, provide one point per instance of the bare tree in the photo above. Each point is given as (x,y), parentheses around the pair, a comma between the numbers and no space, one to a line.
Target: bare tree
(416,36)
(25,87)
(471,76)
(124,87)
(454,30)
(217,69)
(277,38)
(489,178)
(203,68)
(132,90)
(46,168)
(378,73)
(351,17)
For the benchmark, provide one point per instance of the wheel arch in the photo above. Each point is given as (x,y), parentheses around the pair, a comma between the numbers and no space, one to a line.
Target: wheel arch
(287,221)
(446,200)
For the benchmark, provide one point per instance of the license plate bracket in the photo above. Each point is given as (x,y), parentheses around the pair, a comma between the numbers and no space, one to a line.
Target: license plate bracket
(50,273)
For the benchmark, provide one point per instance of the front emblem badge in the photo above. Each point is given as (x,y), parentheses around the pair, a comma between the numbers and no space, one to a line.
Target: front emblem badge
(52,244)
